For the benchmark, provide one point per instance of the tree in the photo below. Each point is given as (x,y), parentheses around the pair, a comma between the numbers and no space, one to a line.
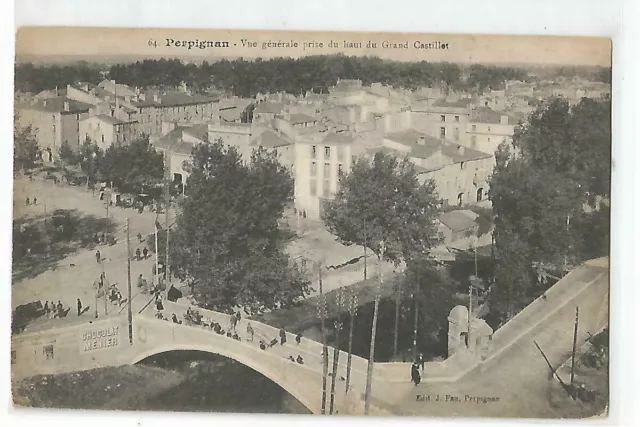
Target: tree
(25,146)
(67,155)
(134,168)
(89,157)
(228,243)
(550,194)
(382,200)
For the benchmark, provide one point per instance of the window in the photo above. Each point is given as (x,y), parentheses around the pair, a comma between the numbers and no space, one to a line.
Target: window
(340,169)
(327,170)
(47,350)
(473,128)
(479,194)
(313,169)
(327,152)
(457,118)
(460,199)
(313,151)
(326,189)
(102,138)
(443,132)
(312,187)
(461,165)
(443,118)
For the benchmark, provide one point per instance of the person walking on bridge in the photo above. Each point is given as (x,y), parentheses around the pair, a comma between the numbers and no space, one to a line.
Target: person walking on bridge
(283,336)
(250,331)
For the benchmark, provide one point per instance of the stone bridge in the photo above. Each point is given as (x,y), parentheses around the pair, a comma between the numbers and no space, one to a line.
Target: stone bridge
(106,342)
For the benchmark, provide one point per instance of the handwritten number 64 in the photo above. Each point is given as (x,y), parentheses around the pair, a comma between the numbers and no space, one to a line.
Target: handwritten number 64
(153,43)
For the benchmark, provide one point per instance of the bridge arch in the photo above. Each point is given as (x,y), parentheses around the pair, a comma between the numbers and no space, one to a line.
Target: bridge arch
(288,379)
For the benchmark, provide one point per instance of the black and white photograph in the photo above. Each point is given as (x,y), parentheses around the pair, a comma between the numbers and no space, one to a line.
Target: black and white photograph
(311,223)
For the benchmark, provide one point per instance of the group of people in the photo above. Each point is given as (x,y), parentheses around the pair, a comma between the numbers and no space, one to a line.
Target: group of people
(144,254)
(297,359)
(52,310)
(103,239)
(28,201)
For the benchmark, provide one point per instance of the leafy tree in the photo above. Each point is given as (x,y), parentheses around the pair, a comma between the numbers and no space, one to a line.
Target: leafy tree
(550,195)
(133,168)
(25,146)
(89,157)
(67,155)
(382,200)
(228,244)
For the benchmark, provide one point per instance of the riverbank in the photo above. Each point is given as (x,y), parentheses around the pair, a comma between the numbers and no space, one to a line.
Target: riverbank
(121,388)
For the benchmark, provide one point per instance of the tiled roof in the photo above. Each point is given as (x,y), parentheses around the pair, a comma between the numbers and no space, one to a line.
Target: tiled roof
(107,119)
(269,107)
(459,220)
(56,105)
(452,150)
(298,118)
(272,139)
(487,115)
(339,138)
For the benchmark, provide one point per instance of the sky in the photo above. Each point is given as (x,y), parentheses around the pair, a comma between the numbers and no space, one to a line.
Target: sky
(93,43)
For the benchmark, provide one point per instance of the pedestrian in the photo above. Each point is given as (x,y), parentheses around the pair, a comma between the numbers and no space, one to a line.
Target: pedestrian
(46,308)
(298,338)
(233,321)
(139,238)
(59,308)
(27,202)
(52,310)
(98,257)
(300,360)
(35,201)
(421,362)
(138,254)
(415,374)
(145,253)
(140,281)
(250,332)
(79,307)
(283,336)
(238,316)
(174,318)
(263,345)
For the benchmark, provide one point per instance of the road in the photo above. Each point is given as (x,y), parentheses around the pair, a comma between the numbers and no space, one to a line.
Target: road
(73,277)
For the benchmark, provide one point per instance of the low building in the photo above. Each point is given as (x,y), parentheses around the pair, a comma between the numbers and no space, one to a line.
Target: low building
(54,120)
(106,130)
(487,128)
(177,145)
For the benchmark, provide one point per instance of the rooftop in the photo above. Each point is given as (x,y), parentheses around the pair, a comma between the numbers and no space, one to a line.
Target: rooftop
(56,105)
(269,107)
(272,139)
(299,118)
(459,220)
(487,115)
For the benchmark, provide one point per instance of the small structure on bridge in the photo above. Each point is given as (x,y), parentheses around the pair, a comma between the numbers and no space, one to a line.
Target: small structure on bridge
(474,336)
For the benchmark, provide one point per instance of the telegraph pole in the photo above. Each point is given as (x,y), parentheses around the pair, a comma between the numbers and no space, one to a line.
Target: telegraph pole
(129,314)
(364,228)
(573,352)
(376,304)
(325,351)
(166,211)
(336,351)
(353,309)
(157,275)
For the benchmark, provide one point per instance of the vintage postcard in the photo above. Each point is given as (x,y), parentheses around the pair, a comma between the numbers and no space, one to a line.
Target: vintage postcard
(311,223)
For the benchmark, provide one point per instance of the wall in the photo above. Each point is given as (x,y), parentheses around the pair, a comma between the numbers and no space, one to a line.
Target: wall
(487,136)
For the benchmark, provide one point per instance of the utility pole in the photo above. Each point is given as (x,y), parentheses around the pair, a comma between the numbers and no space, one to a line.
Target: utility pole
(376,304)
(336,351)
(129,314)
(166,211)
(156,278)
(395,328)
(353,310)
(325,351)
(573,352)
(364,228)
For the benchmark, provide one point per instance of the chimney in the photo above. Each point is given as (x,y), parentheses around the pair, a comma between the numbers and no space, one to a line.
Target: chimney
(66,106)
(504,120)
(460,150)
(421,140)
